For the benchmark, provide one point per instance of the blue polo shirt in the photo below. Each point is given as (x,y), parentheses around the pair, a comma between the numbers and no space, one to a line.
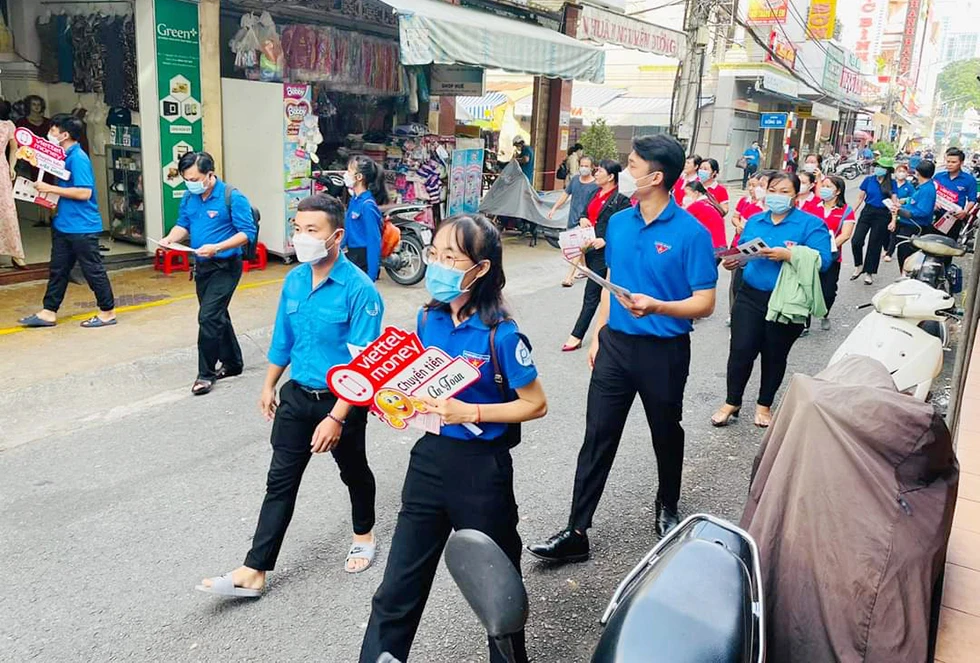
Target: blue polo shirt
(921,207)
(668,259)
(874,196)
(964,185)
(209,222)
(752,156)
(471,341)
(797,228)
(363,225)
(314,326)
(78,216)
(904,191)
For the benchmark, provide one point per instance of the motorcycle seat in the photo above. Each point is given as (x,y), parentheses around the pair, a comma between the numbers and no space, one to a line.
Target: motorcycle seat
(693,605)
(938,245)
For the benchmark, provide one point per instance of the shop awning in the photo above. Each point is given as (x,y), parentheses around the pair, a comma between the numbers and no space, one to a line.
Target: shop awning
(433,32)
(480,108)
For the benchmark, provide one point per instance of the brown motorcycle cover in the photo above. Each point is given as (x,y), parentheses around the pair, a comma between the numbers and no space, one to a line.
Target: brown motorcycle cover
(851,504)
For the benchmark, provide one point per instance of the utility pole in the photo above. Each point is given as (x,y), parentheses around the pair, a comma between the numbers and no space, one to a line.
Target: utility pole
(685,102)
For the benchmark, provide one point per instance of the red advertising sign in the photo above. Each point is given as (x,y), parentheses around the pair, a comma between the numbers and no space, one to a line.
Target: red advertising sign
(768,11)
(783,49)
(908,37)
(41,153)
(851,82)
(947,199)
(394,374)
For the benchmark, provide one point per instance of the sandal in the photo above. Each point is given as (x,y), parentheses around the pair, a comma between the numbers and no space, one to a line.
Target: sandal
(730,419)
(225,372)
(571,347)
(566,284)
(95,322)
(35,321)
(361,551)
(763,423)
(225,586)
(202,386)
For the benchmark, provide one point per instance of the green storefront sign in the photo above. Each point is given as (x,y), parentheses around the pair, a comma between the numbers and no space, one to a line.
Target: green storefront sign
(179,90)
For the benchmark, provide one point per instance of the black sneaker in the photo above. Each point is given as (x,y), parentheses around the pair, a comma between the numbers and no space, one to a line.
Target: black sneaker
(566,546)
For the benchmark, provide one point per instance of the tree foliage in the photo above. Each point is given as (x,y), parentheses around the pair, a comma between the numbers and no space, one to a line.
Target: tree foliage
(599,141)
(886,148)
(958,80)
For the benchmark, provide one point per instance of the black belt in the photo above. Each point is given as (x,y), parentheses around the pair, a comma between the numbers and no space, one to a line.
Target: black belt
(316,394)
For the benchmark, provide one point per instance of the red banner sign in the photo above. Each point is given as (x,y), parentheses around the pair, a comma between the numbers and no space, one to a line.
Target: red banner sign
(783,49)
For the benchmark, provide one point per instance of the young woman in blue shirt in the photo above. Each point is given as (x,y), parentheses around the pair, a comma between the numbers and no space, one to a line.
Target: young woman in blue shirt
(874,218)
(915,217)
(462,477)
(903,191)
(366,182)
(781,227)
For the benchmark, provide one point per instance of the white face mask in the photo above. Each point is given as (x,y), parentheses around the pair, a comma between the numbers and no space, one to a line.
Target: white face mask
(810,167)
(349,180)
(585,171)
(900,176)
(53,138)
(310,248)
(760,192)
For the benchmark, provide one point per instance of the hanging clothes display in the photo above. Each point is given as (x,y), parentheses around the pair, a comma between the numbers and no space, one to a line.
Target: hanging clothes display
(66,54)
(118,39)
(47,36)
(89,53)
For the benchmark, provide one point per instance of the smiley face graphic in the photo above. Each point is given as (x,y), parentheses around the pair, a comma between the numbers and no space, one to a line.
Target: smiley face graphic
(397,407)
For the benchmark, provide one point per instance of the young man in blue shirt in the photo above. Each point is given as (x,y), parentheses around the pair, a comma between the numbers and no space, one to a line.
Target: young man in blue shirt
(954,182)
(915,217)
(525,157)
(664,258)
(328,310)
(75,231)
(753,156)
(218,231)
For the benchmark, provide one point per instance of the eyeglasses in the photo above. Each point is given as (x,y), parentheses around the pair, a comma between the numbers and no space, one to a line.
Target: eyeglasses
(431,257)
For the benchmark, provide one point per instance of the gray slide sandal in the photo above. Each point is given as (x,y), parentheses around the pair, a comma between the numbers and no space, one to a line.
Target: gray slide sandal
(225,586)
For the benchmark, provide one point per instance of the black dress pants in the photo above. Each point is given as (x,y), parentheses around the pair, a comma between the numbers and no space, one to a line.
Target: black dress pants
(733,288)
(358,256)
(216,281)
(451,485)
(751,336)
(593,293)
(657,369)
(828,283)
(66,250)
(748,172)
(298,415)
(873,226)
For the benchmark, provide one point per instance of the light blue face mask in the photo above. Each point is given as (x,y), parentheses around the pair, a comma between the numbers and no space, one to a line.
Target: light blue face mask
(880,172)
(443,283)
(704,176)
(779,203)
(195,186)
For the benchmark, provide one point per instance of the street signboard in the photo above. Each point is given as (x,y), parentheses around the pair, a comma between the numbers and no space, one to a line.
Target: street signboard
(773,120)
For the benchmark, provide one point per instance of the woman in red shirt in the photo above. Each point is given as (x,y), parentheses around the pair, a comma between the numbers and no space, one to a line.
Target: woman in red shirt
(839,217)
(808,200)
(689,173)
(604,204)
(708,175)
(697,203)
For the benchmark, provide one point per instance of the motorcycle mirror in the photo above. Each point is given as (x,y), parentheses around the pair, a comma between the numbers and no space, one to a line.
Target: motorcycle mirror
(489,582)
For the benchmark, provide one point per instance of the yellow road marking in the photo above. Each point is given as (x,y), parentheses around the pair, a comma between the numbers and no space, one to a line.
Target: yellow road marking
(139,307)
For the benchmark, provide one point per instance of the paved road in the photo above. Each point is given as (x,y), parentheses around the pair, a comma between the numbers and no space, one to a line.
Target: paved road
(108,527)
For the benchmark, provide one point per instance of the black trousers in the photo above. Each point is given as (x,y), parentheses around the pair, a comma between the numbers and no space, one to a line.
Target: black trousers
(657,369)
(358,256)
(748,172)
(828,283)
(733,288)
(751,336)
(66,250)
(451,484)
(298,415)
(216,281)
(873,226)
(593,293)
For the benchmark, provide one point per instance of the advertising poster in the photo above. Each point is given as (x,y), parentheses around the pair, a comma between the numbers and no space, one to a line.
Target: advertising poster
(767,12)
(179,89)
(297,106)
(465,182)
(292,199)
(820,21)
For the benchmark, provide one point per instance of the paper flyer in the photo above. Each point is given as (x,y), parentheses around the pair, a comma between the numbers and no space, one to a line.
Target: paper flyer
(173,245)
(26,190)
(571,241)
(947,200)
(751,250)
(392,375)
(619,291)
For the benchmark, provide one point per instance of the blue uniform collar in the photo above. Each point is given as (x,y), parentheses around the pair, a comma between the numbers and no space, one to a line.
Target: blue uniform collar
(339,274)
(767,217)
(666,215)
(363,195)
(71,150)
(474,321)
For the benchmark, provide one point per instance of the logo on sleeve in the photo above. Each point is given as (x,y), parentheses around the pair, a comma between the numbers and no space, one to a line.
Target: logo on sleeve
(662,248)
(523,354)
(212,213)
(372,309)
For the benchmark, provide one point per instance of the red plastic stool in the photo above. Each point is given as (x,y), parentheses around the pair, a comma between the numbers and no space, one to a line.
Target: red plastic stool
(171,260)
(261,259)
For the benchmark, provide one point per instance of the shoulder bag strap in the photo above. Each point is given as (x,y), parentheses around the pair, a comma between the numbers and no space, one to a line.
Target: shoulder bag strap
(498,375)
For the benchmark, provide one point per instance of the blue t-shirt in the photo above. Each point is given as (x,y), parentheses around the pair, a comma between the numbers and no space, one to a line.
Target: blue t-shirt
(798,228)
(964,185)
(875,197)
(363,225)
(471,341)
(581,194)
(78,216)
(752,156)
(528,167)
(668,259)
(904,191)
(315,326)
(921,207)
(209,222)
(914,161)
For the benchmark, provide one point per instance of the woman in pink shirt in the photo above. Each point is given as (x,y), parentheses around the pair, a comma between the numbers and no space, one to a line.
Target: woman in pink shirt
(708,175)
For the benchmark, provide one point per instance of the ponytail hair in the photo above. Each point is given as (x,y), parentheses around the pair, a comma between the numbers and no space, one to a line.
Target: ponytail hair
(374,177)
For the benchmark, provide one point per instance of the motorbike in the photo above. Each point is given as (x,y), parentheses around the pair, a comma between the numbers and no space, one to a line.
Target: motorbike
(405,265)
(849,169)
(933,262)
(697,596)
(900,333)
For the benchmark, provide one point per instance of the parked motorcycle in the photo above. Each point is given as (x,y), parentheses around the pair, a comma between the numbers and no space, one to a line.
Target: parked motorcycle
(906,332)
(849,169)
(933,263)
(697,596)
(405,265)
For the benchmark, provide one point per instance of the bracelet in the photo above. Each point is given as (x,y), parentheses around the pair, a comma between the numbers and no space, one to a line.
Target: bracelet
(478,417)
(330,416)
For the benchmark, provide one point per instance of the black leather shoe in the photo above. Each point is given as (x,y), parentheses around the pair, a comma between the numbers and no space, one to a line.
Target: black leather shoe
(667,519)
(566,546)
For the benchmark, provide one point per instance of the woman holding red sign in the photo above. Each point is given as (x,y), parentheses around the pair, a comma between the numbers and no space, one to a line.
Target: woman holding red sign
(462,478)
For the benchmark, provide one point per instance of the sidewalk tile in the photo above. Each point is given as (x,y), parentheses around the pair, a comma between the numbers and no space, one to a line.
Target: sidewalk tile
(967,515)
(970,483)
(959,637)
(961,590)
(964,549)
